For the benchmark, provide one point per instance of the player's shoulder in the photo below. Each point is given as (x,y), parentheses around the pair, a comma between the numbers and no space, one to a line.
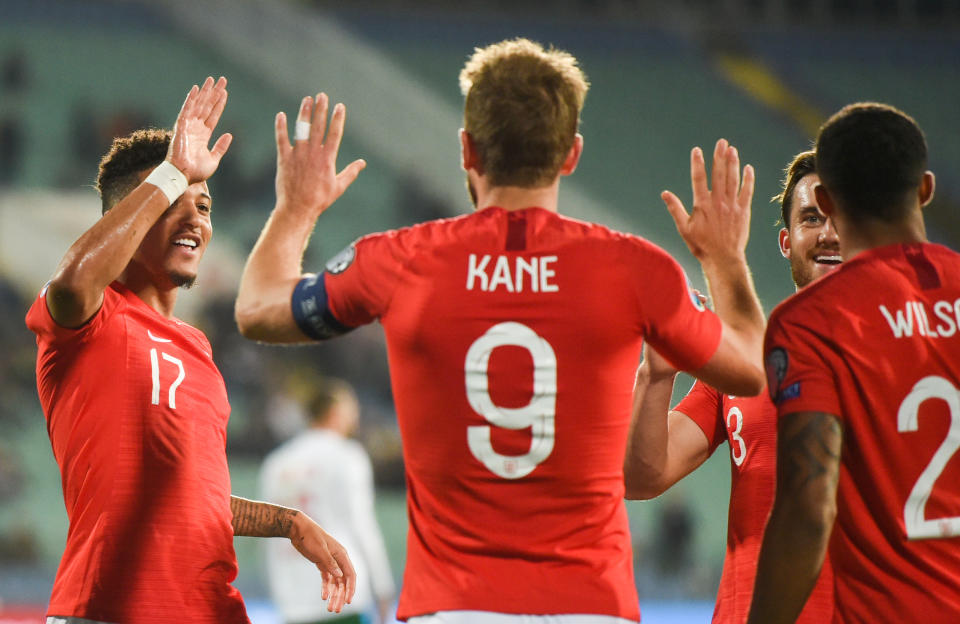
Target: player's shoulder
(700,400)
(705,389)
(816,297)
(941,255)
(491,222)
(415,238)
(597,232)
(193,334)
(729,400)
(860,278)
(427,230)
(116,298)
(758,404)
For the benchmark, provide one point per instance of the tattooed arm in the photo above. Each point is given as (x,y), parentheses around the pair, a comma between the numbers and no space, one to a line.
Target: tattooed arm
(795,541)
(258,519)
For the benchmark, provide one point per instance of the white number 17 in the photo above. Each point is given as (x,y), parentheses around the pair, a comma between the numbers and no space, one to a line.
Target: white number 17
(155,376)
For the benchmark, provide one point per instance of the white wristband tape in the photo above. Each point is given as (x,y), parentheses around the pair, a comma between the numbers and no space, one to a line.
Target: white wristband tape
(301,131)
(168,179)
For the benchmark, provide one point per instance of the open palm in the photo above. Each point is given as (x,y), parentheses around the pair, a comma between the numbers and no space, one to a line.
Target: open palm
(198,117)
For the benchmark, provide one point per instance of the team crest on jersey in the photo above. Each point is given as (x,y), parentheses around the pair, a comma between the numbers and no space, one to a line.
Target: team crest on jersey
(776,366)
(695,298)
(340,262)
(694,295)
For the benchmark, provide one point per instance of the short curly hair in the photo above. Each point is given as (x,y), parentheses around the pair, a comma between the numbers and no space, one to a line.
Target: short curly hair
(871,158)
(522,110)
(128,157)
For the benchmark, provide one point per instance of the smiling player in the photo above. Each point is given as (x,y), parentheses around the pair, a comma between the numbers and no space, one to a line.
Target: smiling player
(864,368)
(136,408)
(663,448)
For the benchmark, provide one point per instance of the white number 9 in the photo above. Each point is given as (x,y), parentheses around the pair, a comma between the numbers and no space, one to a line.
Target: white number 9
(538,414)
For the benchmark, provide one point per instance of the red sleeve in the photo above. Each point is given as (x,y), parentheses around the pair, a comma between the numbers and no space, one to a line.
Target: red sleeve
(703,406)
(42,324)
(677,324)
(798,377)
(361,280)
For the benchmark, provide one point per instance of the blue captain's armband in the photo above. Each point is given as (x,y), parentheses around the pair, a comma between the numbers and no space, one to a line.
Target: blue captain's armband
(310,311)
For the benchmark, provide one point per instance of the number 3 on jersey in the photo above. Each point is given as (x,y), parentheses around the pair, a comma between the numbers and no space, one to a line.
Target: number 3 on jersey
(538,414)
(738,448)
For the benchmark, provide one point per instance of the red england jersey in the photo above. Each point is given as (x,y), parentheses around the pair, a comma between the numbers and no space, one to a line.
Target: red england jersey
(749,426)
(137,416)
(513,340)
(877,344)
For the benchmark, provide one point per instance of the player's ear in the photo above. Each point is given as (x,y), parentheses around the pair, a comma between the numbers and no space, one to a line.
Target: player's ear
(824,201)
(573,156)
(927,186)
(469,158)
(785,243)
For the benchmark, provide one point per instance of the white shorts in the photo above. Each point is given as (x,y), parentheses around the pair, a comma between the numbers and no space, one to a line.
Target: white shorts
(53,619)
(490,617)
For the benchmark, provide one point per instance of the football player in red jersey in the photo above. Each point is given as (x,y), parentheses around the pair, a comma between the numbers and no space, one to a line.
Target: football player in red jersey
(665,447)
(136,408)
(864,367)
(513,335)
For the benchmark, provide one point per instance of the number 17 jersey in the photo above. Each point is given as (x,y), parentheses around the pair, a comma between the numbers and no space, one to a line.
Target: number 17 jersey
(513,339)
(137,415)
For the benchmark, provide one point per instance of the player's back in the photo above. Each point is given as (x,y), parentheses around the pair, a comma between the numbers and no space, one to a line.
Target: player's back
(890,326)
(513,339)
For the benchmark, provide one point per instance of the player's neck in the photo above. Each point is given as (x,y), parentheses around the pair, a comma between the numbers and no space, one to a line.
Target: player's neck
(160,298)
(518,198)
(860,237)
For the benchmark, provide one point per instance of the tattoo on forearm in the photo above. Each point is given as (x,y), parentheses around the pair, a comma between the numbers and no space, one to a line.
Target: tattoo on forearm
(258,519)
(810,449)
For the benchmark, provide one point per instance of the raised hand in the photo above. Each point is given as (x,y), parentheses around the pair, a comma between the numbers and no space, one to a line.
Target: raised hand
(198,117)
(307,178)
(719,225)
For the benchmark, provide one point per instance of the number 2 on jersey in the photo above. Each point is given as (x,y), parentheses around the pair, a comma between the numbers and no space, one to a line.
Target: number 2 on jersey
(914,511)
(538,414)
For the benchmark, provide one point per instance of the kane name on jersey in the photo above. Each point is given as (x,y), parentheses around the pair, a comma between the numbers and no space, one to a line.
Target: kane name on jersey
(536,273)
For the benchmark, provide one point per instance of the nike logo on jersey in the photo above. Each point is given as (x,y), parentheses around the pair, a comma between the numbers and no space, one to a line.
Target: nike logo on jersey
(535,273)
(155,338)
(913,318)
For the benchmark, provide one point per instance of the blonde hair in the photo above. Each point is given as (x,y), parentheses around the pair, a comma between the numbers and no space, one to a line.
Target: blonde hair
(522,110)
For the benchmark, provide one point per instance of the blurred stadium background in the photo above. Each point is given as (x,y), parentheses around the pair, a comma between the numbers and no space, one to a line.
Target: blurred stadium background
(665,76)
